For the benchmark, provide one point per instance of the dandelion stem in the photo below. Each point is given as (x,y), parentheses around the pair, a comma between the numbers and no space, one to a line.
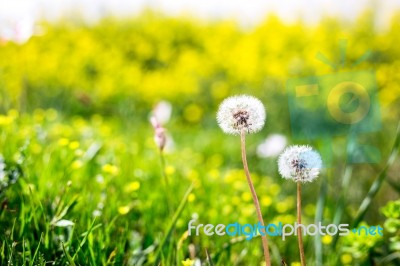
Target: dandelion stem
(165,176)
(255,199)
(162,162)
(299,233)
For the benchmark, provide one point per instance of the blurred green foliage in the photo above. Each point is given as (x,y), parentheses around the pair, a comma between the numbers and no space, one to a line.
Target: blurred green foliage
(82,68)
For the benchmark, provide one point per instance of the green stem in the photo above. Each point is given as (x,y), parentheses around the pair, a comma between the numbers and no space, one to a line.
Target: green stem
(318,218)
(299,231)
(166,182)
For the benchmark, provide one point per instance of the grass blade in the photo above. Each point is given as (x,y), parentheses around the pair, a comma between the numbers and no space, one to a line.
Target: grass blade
(318,218)
(69,258)
(173,223)
(209,260)
(377,184)
(36,252)
(84,238)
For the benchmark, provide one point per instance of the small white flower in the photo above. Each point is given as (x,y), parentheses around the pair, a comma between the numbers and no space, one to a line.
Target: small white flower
(160,137)
(241,112)
(272,146)
(300,163)
(162,112)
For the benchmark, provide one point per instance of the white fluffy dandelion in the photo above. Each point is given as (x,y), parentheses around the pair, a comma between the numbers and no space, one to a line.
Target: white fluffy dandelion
(300,163)
(239,113)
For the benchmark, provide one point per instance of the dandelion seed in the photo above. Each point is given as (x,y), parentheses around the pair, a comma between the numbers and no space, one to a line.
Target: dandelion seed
(239,113)
(300,163)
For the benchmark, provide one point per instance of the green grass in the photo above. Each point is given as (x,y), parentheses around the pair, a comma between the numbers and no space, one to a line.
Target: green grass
(90,192)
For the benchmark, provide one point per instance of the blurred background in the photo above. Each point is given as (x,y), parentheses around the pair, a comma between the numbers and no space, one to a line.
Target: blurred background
(79,81)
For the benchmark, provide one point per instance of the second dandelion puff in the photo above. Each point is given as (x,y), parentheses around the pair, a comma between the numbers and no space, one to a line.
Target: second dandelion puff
(300,164)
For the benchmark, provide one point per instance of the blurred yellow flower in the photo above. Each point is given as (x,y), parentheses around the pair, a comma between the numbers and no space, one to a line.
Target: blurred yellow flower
(326,239)
(191,197)
(132,186)
(124,209)
(63,142)
(187,262)
(234,175)
(74,145)
(295,264)
(266,201)
(5,120)
(193,113)
(346,258)
(213,173)
(76,164)
(169,170)
(246,196)
(110,169)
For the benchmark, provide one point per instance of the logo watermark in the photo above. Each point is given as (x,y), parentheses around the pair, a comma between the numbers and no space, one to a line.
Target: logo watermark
(279,229)
(342,103)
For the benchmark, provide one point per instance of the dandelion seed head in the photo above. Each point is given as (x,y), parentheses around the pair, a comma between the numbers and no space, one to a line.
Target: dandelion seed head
(300,163)
(239,113)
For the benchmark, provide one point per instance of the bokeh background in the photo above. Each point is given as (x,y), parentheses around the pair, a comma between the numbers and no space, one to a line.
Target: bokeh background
(82,180)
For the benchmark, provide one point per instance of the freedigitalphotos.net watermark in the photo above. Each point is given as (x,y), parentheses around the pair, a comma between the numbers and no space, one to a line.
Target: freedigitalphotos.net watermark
(279,229)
